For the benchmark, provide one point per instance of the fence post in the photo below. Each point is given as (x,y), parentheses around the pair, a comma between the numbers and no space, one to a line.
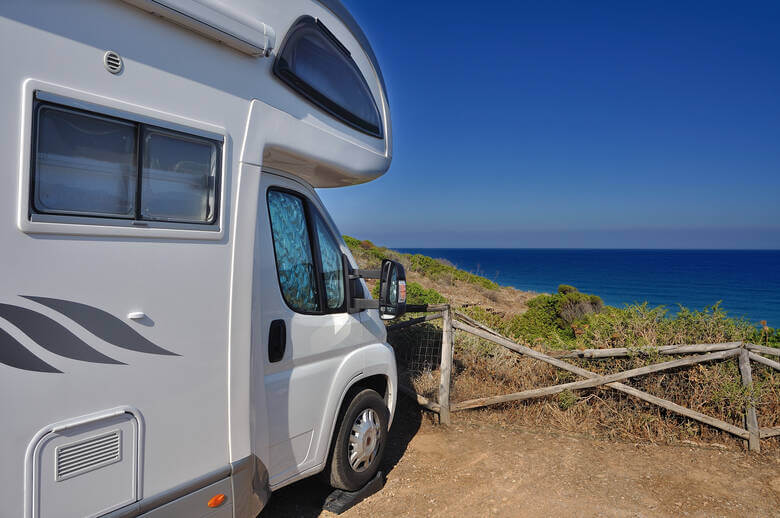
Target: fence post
(445,368)
(750,412)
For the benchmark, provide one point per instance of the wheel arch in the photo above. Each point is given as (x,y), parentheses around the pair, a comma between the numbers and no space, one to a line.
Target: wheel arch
(379,374)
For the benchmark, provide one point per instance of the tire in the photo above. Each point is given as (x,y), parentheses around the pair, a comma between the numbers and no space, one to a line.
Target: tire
(360,441)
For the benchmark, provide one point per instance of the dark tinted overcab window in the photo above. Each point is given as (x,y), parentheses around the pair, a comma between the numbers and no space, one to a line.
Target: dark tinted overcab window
(318,66)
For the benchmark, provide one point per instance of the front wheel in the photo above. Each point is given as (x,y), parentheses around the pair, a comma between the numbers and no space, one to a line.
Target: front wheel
(360,441)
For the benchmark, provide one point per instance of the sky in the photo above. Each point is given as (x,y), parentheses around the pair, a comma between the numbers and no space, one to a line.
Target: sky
(552,124)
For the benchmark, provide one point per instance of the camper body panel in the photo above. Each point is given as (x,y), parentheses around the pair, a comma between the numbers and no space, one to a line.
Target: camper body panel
(181,285)
(194,375)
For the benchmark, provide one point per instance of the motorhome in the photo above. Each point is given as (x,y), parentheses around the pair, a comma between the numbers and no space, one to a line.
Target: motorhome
(182,329)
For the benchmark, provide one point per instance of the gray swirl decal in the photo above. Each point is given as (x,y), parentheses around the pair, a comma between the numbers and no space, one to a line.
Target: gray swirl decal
(103,324)
(14,354)
(51,335)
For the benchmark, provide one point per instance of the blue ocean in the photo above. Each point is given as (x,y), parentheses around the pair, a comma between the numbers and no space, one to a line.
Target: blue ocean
(747,282)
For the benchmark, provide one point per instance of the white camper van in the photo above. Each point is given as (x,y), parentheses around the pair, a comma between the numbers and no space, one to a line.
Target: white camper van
(182,329)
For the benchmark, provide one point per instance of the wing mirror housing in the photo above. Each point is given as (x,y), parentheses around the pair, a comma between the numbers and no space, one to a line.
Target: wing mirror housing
(392,288)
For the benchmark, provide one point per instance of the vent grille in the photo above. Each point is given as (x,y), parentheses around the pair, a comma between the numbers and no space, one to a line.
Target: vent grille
(113,62)
(95,452)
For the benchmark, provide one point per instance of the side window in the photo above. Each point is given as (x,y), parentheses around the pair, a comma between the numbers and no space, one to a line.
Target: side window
(94,165)
(292,246)
(84,165)
(178,177)
(332,273)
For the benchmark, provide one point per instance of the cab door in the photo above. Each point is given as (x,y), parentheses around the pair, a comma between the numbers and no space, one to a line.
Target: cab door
(303,331)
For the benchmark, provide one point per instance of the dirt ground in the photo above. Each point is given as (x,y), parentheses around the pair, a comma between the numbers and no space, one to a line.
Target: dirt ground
(479,469)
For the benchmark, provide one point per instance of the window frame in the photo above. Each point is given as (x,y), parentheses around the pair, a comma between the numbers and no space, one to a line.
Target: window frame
(140,127)
(309,92)
(309,209)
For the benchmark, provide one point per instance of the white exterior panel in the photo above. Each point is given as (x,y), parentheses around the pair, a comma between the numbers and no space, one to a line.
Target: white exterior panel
(183,295)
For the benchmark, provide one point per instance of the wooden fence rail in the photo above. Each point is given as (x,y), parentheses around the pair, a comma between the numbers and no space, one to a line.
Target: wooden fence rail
(665,350)
(701,353)
(594,382)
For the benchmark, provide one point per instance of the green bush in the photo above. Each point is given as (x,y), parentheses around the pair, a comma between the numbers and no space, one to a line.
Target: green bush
(574,305)
(351,242)
(416,294)
(567,399)
(549,321)
(564,289)
(551,317)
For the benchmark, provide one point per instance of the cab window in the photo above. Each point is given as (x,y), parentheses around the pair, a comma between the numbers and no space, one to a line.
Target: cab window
(332,272)
(308,256)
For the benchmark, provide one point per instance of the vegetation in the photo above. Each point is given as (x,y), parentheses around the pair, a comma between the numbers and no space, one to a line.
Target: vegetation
(573,320)
(416,294)
(368,255)
(570,319)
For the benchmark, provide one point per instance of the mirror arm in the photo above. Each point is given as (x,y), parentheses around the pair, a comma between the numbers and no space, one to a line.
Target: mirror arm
(355,304)
(361,304)
(365,274)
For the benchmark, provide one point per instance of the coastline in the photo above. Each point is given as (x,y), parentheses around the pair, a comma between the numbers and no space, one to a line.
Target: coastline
(747,282)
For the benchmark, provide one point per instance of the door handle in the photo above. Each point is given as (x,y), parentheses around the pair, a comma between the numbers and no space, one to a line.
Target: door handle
(277,340)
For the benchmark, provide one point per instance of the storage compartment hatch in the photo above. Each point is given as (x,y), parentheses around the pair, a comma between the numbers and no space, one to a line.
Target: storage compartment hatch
(87,469)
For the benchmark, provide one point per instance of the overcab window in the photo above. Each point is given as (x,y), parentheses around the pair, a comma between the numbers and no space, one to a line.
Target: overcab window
(315,64)
(86,164)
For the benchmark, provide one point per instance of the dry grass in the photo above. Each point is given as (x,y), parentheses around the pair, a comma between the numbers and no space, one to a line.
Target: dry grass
(484,369)
(505,300)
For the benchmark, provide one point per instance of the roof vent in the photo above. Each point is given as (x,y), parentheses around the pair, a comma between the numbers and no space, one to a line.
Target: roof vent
(112,61)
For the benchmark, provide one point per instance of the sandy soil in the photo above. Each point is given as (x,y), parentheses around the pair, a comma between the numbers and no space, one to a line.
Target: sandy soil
(480,469)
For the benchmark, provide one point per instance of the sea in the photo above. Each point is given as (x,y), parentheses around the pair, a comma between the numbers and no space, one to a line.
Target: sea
(745,282)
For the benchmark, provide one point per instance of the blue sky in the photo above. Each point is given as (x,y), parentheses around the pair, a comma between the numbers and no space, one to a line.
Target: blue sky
(574,124)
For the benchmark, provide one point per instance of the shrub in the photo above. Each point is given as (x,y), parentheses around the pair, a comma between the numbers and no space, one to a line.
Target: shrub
(417,294)
(564,289)
(567,399)
(573,305)
(351,242)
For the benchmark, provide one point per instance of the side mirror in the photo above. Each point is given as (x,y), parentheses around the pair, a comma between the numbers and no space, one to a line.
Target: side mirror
(392,290)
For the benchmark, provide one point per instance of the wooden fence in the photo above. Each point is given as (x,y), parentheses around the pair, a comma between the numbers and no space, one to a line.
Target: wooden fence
(699,353)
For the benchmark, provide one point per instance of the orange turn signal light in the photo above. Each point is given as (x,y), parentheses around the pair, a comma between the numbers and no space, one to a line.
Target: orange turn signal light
(217,500)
